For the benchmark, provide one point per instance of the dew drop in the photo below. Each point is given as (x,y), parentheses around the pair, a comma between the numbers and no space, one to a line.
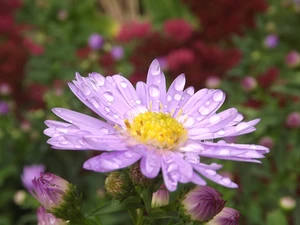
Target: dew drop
(155,68)
(214,119)
(224,152)
(221,132)
(109,96)
(241,126)
(154,90)
(189,122)
(107,109)
(179,83)
(123,84)
(210,172)
(204,110)
(100,80)
(128,155)
(86,90)
(190,91)
(177,97)
(218,96)
(52,220)
(225,181)
(138,101)
(169,98)
(95,102)
(104,130)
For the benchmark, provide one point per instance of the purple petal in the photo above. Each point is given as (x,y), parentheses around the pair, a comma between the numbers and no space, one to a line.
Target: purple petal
(150,164)
(212,175)
(156,86)
(107,162)
(174,94)
(141,90)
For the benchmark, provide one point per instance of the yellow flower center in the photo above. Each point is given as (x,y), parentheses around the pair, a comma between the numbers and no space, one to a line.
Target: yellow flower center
(157,129)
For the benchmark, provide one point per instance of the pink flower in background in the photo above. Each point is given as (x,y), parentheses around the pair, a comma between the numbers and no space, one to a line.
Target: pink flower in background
(292,59)
(249,83)
(293,120)
(271,41)
(117,52)
(133,30)
(179,57)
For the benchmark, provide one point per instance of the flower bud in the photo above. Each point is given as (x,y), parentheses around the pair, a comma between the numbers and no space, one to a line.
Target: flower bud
(227,216)
(202,203)
(138,178)
(160,197)
(118,185)
(266,141)
(117,52)
(45,218)
(287,203)
(213,82)
(31,172)
(49,190)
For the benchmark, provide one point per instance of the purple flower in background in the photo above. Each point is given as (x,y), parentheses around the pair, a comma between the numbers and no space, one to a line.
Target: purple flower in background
(227,216)
(167,130)
(4,108)
(31,172)
(117,52)
(45,218)
(49,190)
(271,41)
(95,41)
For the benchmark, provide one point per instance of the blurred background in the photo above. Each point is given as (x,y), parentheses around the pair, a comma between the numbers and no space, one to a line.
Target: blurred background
(249,49)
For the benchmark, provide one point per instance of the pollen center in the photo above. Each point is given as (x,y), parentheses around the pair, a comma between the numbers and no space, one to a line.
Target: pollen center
(157,129)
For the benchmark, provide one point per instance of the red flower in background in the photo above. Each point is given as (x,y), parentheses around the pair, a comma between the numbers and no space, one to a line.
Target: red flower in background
(178,29)
(266,79)
(133,30)
(220,19)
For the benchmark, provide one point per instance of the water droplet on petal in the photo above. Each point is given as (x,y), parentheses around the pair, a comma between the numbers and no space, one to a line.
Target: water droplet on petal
(224,152)
(189,122)
(86,90)
(155,68)
(221,132)
(138,101)
(107,109)
(177,97)
(128,154)
(109,96)
(99,79)
(203,111)
(225,181)
(210,172)
(218,96)
(241,126)
(190,91)
(215,119)
(95,102)
(52,220)
(123,84)
(104,130)
(169,98)
(154,90)
(179,83)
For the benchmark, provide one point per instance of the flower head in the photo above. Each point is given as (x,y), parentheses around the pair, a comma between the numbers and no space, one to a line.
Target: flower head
(227,216)
(292,59)
(31,172)
(45,218)
(117,52)
(49,190)
(167,131)
(202,203)
(271,41)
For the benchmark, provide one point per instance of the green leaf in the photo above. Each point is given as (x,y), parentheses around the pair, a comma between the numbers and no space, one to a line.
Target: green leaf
(161,215)
(276,217)
(147,197)
(116,205)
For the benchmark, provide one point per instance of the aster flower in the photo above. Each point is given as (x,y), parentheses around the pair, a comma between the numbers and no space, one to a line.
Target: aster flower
(167,130)
(45,218)
(31,172)
(202,203)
